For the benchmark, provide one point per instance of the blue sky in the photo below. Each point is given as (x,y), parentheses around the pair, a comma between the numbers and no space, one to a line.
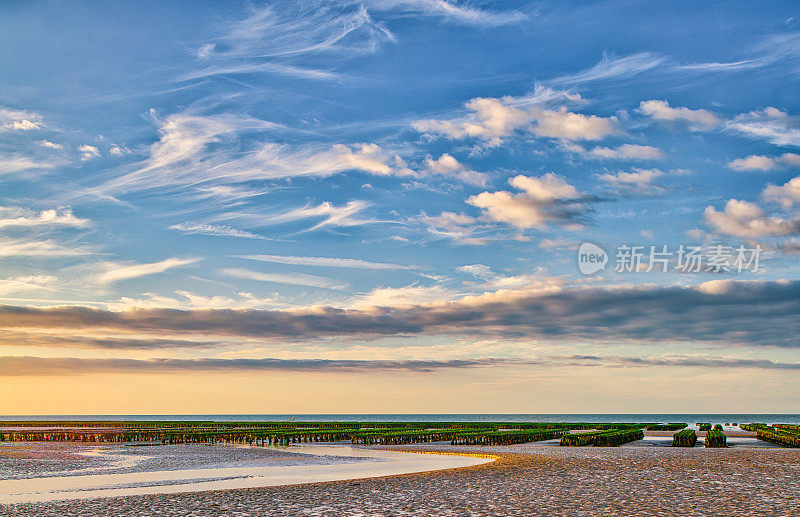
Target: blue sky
(406,159)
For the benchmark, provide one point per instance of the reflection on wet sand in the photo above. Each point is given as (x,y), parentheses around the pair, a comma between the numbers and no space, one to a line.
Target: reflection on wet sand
(365,463)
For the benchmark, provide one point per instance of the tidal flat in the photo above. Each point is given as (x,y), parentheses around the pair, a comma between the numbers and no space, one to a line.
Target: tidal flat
(392,469)
(525,479)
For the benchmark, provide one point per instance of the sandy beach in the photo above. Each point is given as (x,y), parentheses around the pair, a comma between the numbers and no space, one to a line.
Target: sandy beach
(524,480)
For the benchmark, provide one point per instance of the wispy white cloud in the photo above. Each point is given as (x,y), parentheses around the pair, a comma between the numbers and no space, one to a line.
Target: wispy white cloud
(460,228)
(613,67)
(281,278)
(269,37)
(110,272)
(40,248)
(274,68)
(188,300)
(28,283)
(10,163)
(328,262)
(625,152)
(327,213)
(217,230)
(208,151)
(642,181)
(770,124)
(451,11)
(227,192)
(773,49)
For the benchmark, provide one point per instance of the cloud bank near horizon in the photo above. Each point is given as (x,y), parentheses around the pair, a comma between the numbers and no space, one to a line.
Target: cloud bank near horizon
(722,311)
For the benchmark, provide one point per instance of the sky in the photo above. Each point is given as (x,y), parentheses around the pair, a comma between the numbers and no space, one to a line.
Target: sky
(377,207)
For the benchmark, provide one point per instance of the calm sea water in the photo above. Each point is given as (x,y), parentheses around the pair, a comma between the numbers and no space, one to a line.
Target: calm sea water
(449,417)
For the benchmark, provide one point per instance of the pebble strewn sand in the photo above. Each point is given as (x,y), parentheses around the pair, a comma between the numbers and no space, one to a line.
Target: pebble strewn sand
(525,480)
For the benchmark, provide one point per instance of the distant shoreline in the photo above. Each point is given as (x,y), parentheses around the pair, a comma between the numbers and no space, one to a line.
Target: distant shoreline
(789,418)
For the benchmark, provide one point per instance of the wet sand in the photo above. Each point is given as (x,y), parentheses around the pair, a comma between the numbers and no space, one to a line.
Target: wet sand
(340,462)
(525,480)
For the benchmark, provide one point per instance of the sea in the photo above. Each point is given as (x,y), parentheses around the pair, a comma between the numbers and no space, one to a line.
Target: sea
(689,418)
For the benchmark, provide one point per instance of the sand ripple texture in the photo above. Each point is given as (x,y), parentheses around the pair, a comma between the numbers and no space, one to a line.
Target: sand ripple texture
(526,480)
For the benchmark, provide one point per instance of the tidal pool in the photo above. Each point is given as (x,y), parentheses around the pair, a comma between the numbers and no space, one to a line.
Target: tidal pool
(362,463)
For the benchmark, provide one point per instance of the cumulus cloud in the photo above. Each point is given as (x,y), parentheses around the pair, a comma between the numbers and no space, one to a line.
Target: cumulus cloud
(697,120)
(50,145)
(88,152)
(770,124)
(786,195)
(745,219)
(548,187)
(372,159)
(493,119)
(403,296)
(23,125)
(476,270)
(19,120)
(756,162)
(117,150)
(725,312)
(448,166)
(22,217)
(572,126)
(790,246)
(544,199)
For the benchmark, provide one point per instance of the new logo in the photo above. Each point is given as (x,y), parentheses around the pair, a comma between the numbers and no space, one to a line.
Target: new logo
(591,258)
